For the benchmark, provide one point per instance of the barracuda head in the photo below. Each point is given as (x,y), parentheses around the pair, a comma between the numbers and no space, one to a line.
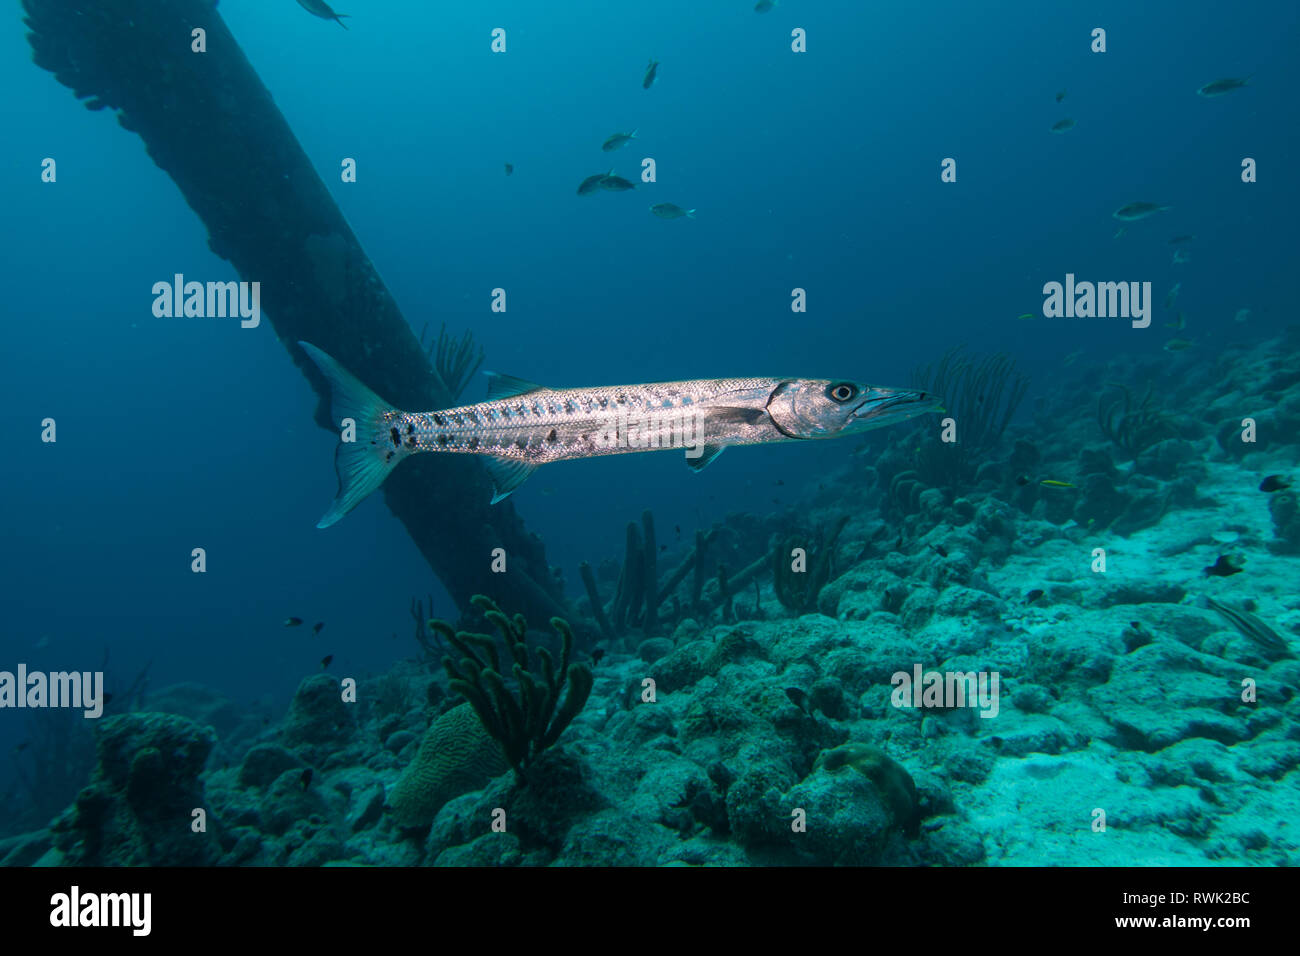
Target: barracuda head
(824,408)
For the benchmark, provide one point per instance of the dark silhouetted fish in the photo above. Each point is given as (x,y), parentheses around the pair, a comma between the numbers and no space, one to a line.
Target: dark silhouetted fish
(667,210)
(1138,210)
(617,141)
(318,627)
(325,661)
(1219,87)
(1222,568)
(293,622)
(651,74)
(322,9)
(1061,126)
(1275,483)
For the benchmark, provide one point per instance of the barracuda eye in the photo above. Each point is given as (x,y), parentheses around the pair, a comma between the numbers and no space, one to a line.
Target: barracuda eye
(841,392)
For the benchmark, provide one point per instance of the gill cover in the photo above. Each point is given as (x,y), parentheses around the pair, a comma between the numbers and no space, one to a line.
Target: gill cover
(813,408)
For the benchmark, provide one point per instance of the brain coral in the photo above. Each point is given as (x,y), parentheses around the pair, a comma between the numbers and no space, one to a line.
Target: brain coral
(456,756)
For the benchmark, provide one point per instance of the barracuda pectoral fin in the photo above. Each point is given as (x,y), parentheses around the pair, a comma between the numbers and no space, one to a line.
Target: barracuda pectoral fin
(507,474)
(507,386)
(707,454)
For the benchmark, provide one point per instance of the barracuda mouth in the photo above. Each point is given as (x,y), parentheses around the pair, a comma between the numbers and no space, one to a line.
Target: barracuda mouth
(904,404)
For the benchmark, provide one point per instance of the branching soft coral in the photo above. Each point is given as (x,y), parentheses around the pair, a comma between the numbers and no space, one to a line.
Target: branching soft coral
(530,718)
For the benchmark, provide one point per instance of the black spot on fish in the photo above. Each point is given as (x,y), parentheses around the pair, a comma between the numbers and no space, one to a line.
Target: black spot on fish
(325,661)
(1274,483)
(305,779)
(397,439)
(1033,595)
(521,444)
(473,443)
(318,627)
(410,429)
(439,421)
(604,403)
(442,441)
(1222,568)
(551,436)
(388,457)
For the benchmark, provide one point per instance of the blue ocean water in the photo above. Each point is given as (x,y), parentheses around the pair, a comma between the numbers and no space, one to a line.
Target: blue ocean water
(817,170)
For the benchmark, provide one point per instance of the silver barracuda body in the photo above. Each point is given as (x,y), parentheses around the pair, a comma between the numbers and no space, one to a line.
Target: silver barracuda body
(522,426)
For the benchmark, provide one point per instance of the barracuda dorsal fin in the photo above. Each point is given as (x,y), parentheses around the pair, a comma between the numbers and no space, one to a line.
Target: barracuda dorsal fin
(507,474)
(710,452)
(507,386)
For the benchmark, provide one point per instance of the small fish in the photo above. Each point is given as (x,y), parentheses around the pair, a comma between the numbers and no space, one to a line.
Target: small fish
(1172,295)
(597,654)
(522,426)
(1061,126)
(1275,483)
(940,550)
(1022,480)
(322,9)
(667,210)
(1119,232)
(293,622)
(1222,568)
(1138,210)
(325,661)
(510,168)
(663,547)
(1025,316)
(651,74)
(799,698)
(1241,316)
(1217,88)
(19,748)
(1177,239)
(318,627)
(1177,345)
(1181,256)
(616,184)
(1053,483)
(1034,595)
(764,6)
(1179,324)
(1060,95)
(779,481)
(305,779)
(618,141)
(592,183)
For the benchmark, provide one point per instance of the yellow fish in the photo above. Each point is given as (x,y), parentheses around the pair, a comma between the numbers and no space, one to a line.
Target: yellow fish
(1052,483)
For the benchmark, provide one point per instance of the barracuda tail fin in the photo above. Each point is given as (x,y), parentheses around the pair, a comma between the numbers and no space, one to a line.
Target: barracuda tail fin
(364,462)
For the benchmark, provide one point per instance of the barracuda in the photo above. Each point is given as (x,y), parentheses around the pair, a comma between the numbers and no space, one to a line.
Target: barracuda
(522,426)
